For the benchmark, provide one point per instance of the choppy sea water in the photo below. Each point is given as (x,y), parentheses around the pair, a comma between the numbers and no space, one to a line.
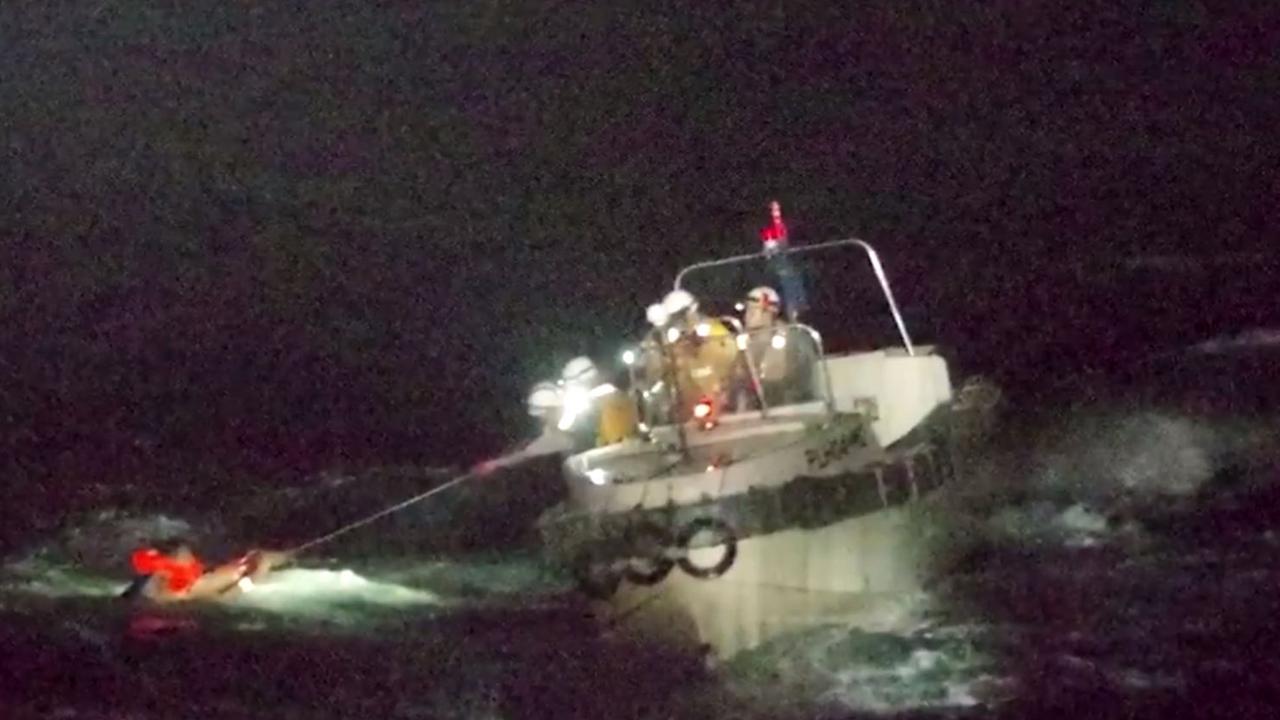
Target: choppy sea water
(1125,563)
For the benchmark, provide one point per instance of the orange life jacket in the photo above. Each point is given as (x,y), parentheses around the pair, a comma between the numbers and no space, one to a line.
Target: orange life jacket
(179,576)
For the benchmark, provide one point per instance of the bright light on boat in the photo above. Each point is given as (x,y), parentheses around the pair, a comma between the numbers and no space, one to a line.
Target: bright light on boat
(245,584)
(779,341)
(703,329)
(602,390)
(673,334)
(629,357)
(742,342)
(575,403)
(739,307)
(597,476)
(702,410)
(657,315)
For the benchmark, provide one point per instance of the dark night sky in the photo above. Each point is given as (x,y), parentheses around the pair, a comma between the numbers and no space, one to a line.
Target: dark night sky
(276,236)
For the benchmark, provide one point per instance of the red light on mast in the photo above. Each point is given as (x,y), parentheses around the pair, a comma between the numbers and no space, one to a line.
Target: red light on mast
(705,412)
(703,409)
(774,235)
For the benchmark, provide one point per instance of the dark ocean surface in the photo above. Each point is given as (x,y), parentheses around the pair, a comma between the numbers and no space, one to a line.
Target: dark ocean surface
(1127,566)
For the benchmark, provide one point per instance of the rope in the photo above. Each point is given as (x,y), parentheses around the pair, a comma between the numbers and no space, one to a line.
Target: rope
(382,513)
(627,615)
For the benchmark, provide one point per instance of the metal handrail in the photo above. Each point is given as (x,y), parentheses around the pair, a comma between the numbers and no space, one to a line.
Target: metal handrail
(872,256)
(826,374)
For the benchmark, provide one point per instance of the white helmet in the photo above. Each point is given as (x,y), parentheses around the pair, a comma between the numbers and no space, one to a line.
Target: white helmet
(678,301)
(579,370)
(544,398)
(766,296)
(657,315)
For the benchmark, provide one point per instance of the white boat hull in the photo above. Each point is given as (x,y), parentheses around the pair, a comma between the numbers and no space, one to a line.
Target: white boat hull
(817,497)
(865,571)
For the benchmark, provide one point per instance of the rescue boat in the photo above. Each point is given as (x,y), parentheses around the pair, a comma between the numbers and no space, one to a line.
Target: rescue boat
(792,496)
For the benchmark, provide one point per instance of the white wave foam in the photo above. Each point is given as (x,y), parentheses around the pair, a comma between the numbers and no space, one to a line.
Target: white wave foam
(35,576)
(1249,339)
(1136,679)
(516,574)
(1070,480)
(1042,522)
(103,541)
(1097,459)
(311,592)
(854,670)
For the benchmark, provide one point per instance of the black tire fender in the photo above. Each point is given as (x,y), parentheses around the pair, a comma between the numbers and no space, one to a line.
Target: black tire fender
(727,537)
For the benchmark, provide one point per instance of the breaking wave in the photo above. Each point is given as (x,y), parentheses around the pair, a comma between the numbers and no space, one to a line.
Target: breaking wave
(1088,531)
(1257,338)
(332,595)
(836,669)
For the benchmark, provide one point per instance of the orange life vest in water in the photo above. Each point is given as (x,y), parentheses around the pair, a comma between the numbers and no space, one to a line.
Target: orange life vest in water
(179,576)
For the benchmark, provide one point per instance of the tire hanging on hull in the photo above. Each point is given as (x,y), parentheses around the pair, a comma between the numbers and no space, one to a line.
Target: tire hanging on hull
(723,535)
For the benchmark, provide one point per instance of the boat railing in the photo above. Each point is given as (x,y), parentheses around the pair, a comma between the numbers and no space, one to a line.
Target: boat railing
(872,257)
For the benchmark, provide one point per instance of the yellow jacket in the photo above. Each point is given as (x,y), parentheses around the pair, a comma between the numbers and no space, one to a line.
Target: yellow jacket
(619,419)
(704,365)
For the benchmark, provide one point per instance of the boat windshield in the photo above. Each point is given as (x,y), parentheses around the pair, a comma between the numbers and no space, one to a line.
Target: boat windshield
(840,287)
(706,363)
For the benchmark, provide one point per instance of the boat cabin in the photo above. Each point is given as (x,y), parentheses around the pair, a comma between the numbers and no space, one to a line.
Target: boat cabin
(712,389)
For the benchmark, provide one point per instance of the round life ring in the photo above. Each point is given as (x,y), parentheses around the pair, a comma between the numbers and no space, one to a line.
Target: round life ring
(722,534)
(649,564)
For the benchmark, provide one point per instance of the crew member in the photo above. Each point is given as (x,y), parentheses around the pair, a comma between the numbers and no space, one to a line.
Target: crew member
(596,411)
(761,309)
(781,356)
(763,364)
(619,418)
(775,240)
(703,352)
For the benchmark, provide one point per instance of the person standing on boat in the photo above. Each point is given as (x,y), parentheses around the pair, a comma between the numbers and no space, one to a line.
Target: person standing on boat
(763,364)
(596,412)
(761,309)
(774,239)
(702,350)
(777,356)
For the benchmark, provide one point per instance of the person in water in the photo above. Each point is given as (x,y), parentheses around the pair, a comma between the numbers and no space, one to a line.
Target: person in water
(174,574)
